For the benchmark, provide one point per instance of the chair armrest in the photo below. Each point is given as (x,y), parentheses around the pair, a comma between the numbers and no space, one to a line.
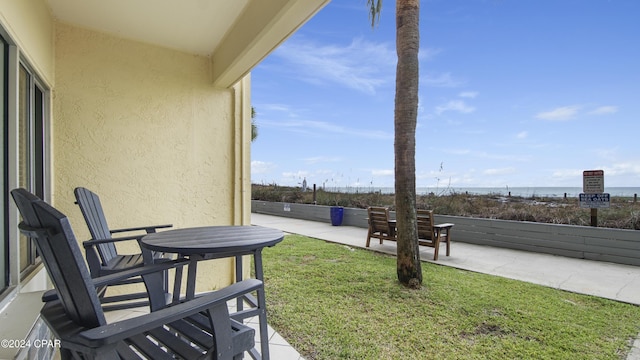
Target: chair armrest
(92,242)
(148,229)
(112,333)
(138,271)
(106,280)
(441,229)
(95,260)
(50,295)
(443,226)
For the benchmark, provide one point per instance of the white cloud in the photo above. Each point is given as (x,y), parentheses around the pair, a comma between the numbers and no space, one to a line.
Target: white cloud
(623,168)
(321,159)
(300,174)
(441,80)
(458,151)
(499,171)
(455,105)
(566,113)
(485,155)
(522,135)
(361,65)
(428,53)
(626,172)
(560,114)
(269,109)
(468,94)
(568,174)
(603,110)
(275,107)
(314,127)
(261,167)
(382,172)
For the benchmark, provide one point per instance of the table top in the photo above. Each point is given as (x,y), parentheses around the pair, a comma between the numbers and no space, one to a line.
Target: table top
(212,240)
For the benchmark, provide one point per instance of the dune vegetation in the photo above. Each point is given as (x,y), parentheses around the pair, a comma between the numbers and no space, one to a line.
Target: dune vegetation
(624,213)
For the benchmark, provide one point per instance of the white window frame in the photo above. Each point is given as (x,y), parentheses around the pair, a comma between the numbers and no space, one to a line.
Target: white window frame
(11,218)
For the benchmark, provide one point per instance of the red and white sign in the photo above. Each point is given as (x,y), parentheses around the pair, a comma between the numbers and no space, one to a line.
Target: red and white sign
(593,181)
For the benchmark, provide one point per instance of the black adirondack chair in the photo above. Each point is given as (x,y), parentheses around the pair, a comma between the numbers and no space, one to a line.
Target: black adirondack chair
(197,329)
(101,253)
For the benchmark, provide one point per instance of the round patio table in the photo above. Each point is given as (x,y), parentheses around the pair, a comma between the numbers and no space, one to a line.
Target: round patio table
(214,242)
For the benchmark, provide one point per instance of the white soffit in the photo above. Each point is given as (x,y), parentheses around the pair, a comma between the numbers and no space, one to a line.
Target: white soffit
(193,26)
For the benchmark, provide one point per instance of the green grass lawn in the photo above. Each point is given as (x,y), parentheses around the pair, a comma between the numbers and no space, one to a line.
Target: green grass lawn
(334,302)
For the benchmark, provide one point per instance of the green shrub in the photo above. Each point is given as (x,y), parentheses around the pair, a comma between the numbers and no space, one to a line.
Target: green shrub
(623,214)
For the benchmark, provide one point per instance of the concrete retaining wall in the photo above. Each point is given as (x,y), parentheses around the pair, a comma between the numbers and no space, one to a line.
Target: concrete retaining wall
(603,244)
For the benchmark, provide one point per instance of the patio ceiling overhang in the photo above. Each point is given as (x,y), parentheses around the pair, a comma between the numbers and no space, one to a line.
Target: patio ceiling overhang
(235,34)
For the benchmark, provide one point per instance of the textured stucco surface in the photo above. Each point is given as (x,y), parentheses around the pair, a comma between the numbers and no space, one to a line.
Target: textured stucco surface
(30,25)
(143,127)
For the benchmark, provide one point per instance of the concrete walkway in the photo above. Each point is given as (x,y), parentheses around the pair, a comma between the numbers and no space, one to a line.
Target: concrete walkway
(602,279)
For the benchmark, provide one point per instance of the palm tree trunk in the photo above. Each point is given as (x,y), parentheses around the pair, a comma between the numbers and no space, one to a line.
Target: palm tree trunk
(406,113)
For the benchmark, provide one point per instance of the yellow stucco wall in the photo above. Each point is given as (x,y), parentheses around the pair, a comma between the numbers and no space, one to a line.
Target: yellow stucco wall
(30,25)
(144,128)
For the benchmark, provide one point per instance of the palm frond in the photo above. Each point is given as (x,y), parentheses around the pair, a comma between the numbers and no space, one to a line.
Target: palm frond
(375,8)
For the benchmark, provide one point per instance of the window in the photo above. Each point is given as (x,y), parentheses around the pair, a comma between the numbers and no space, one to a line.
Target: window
(24,104)
(31,156)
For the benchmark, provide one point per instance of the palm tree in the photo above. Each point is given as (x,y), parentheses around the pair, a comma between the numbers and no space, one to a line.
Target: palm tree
(254,127)
(405,119)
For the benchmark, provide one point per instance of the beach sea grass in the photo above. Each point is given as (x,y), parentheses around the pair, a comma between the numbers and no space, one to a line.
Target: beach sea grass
(624,213)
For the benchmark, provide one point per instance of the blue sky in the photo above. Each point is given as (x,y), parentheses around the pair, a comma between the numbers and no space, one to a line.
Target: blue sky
(512,93)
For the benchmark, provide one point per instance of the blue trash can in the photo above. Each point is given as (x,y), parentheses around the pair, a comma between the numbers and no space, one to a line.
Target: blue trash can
(337,213)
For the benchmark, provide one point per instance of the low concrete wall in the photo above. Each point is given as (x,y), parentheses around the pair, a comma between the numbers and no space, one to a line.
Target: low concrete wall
(352,217)
(603,244)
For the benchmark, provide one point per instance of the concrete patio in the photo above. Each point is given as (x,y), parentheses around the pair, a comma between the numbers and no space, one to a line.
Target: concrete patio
(279,348)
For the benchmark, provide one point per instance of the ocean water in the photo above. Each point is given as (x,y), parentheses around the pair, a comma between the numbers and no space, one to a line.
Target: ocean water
(539,191)
(546,191)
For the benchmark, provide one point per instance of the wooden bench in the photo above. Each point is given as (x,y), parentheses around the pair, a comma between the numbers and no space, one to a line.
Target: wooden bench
(380,225)
(433,235)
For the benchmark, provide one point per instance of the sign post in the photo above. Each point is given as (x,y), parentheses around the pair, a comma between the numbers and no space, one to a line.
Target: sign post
(594,196)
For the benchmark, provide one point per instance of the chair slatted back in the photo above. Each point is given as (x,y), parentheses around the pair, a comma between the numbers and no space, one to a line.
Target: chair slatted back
(91,209)
(424,218)
(379,219)
(62,258)
(24,200)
